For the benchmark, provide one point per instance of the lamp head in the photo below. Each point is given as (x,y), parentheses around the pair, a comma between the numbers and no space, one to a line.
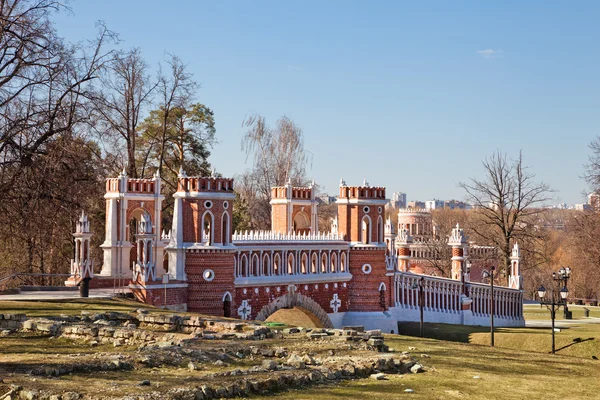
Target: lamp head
(541,292)
(564,293)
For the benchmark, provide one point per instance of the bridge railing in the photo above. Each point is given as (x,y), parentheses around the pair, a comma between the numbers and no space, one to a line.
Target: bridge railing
(508,303)
(440,294)
(294,263)
(269,236)
(445,295)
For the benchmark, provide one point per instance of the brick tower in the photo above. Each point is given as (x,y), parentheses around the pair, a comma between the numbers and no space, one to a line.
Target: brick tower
(515,281)
(458,242)
(294,209)
(127,201)
(200,251)
(360,220)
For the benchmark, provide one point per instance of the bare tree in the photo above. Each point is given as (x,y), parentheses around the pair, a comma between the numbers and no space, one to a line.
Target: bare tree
(176,89)
(507,199)
(44,81)
(592,168)
(119,103)
(278,157)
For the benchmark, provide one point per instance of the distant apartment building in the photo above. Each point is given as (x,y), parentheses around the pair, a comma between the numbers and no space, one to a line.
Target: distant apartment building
(594,201)
(456,205)
(326,199)
(434,204)
(584,207)
(415,204)
(398,200)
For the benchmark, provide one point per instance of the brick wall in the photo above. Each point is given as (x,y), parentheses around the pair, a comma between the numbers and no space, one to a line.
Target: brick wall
(156,297)
(193,210)
(364,288)
(204,296)
(279,218)
(322,293)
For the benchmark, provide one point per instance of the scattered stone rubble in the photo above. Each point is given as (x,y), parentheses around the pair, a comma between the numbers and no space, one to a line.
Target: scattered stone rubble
(173,341)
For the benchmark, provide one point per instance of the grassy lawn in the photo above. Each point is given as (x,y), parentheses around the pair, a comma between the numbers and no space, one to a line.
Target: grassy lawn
(519,367)
(48,308)
(504,374)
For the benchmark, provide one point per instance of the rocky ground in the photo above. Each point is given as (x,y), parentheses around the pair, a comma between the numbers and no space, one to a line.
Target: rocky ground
(141,355)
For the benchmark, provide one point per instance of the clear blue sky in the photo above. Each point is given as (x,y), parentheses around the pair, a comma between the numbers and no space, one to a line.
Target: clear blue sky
(410,95)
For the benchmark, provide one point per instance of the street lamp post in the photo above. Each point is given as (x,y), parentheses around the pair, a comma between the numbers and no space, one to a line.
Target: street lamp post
(490,274)
(420,285)
(562,276)
(553,305)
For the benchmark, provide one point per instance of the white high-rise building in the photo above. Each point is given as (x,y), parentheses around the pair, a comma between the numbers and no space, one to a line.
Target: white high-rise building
(398,200)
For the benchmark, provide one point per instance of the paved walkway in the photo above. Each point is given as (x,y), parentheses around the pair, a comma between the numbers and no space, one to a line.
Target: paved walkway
(60,295)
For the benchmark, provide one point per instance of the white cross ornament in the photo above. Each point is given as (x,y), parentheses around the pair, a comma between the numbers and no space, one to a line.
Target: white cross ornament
(244,310)
(336,303)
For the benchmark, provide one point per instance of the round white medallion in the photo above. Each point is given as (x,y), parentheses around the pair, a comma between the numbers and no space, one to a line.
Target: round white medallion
(208,204)
(305,287)
(256,290)
(366,269)
(226,205)
(244,291)
(208,275)
(366,209)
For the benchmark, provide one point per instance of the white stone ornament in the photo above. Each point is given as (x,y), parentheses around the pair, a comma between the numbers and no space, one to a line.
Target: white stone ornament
(244,310)
(335,303)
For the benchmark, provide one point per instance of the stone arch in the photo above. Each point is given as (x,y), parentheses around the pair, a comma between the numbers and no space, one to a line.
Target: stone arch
(244,265)
(255,265)
(290,264)
(324,263)
(207,229)
(266,265)
(380,229)
(290,300)
(333,264)
(301,222)
(365,232)
(225,229)
(304,264)
(343,262)
(314,268)
(227,305)
(277,264)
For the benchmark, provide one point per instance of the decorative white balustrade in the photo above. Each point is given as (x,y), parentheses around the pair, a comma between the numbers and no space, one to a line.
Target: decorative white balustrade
(268,236)
(166,236)
(82,269)
(294,261)
(144,272)
(439,294)
(445,295)
(391,262)
(507,302)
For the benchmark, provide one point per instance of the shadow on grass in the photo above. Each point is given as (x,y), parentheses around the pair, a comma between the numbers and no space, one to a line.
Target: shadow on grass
(453,333)
(575,341)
